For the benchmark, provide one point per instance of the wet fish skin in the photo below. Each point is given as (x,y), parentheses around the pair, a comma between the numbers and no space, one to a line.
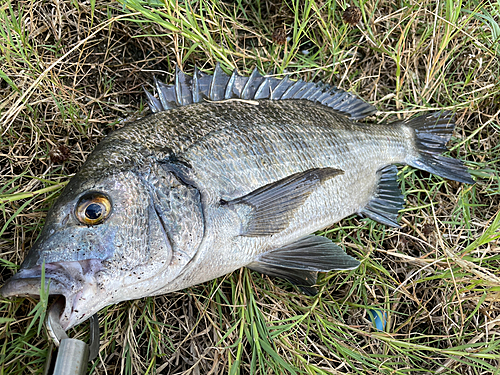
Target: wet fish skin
(204,188)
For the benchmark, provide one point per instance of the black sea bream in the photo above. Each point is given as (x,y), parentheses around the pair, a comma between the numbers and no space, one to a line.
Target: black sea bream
(227,172)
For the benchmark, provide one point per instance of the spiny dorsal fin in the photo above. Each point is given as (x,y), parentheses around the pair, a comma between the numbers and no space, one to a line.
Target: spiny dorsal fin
(219,86)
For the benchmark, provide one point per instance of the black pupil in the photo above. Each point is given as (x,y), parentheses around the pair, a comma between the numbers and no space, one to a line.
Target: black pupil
(93,211)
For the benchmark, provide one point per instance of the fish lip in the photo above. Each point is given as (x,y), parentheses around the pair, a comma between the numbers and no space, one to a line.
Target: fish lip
(70,279)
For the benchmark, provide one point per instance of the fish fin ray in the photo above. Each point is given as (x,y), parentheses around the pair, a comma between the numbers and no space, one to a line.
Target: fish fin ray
(293,89)
(204,83)
(218,84)
(432,132)
(182,88)
(195,86)
(346,103)
(263,91)
(305,91)
(166,93)
(252,85)
(273,205)
(153,103)
(388,200)
(228,93)
(278,91)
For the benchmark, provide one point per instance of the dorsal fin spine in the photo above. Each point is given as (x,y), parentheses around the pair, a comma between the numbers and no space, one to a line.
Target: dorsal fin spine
(178,87)
(162,93)
(230,85)
(290,92)
(282,86)
(260,93)
(195,87)
(211,91)
(304,91)
(245,93)
(154,104)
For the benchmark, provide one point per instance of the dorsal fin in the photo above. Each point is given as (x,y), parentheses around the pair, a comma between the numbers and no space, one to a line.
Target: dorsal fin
(219,86)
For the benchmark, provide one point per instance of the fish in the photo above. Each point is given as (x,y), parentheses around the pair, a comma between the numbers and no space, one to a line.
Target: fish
(227,171)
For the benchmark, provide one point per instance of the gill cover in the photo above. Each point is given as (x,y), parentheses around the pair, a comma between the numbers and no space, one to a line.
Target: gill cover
(179,209)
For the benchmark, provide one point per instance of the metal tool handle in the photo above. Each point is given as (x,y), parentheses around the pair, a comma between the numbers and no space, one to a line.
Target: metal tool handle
(72,358)
(73,355)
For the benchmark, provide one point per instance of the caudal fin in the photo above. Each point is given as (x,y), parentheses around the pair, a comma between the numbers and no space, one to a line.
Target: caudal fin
(432,132)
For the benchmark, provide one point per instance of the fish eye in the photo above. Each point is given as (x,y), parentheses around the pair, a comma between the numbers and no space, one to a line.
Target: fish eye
(93,208)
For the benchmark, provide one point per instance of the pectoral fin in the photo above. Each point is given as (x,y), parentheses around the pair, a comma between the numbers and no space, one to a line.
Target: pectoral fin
(300,261)
(269,209)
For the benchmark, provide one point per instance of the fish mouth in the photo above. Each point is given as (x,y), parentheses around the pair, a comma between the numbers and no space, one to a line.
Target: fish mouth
(74,280)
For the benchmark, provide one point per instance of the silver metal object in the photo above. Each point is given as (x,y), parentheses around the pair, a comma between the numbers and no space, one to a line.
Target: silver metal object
(73,355)
(72,358)
(54,329)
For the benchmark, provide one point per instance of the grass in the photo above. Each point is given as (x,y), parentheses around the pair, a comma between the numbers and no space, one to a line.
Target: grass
(71,72)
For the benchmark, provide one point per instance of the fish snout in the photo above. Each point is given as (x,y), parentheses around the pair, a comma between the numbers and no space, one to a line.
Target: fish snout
(74,280)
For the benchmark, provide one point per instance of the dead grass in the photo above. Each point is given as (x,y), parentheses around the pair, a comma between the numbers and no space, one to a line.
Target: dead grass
(72,72)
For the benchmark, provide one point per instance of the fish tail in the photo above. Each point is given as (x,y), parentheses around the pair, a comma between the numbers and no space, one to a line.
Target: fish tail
(432,132)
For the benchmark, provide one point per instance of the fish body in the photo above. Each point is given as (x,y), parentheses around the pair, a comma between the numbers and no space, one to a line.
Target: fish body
(267,142)
(227,172)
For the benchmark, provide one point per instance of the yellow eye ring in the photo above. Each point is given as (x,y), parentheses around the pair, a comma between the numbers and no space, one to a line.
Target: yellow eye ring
(93,208)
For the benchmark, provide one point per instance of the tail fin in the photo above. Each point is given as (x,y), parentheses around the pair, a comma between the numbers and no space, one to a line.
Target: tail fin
(432,132)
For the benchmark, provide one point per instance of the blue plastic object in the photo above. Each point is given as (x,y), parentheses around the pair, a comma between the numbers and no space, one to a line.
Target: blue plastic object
(379,318)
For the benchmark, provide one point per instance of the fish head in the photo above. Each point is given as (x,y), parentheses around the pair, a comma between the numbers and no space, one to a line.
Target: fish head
(106,240)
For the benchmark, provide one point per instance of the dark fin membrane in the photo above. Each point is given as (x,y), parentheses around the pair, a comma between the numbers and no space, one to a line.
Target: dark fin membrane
(273,205)
(432,132)
(304,280)
(387,200)
(311,253)
(220,86)
(299,262)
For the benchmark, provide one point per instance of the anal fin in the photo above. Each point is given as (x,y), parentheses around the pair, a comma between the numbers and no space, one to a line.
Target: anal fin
(272,206)
(387,200)
(300,261)
(302,279)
